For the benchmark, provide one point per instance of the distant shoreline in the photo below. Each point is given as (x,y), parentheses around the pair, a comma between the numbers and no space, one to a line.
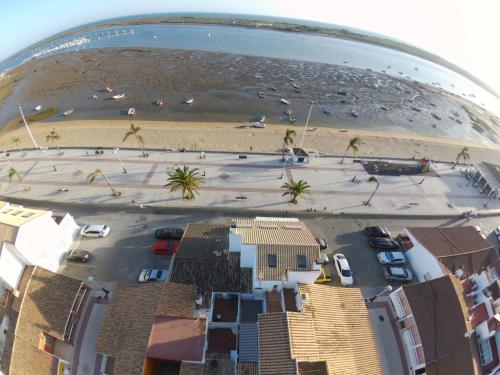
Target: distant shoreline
(340,33)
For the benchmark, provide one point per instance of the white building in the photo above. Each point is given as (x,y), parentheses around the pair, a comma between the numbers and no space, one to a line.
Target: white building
(280,252)
(437,252)
(32,237)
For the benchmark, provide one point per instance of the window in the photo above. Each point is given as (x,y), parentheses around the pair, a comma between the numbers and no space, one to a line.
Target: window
(301,261)
(28,214)
(272,260)
(485,351)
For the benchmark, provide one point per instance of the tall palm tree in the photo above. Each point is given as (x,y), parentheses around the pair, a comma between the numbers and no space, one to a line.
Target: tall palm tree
(53,137)
(13,173)
(354,145)
(187,180)
(463,154)
(295,189)
(134,130)
(372,179)
(15,141)
(288,140)
(91,178)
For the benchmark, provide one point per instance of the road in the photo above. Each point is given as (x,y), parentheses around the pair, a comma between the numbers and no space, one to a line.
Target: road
(127,250)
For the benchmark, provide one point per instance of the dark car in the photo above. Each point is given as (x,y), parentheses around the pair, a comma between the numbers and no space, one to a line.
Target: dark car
(377,232)
(80,256)
(169,233)
(397,274)
(322,243)
(383,243)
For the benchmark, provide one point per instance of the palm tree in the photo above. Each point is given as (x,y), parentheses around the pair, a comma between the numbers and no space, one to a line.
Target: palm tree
(288,140)
(187,180)
(15,141)
(134,130)
(354,145)
(463,154)
(372,179)
(91,178)
(13,173)
(295,189)
(53,136)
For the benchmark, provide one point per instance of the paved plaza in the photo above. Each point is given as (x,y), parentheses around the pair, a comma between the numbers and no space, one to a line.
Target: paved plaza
(253,182)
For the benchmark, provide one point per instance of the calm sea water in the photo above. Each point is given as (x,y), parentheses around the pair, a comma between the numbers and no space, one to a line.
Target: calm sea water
(267,43)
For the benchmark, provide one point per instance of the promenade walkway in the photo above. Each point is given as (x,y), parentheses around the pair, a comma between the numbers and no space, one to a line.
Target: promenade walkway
(231,182)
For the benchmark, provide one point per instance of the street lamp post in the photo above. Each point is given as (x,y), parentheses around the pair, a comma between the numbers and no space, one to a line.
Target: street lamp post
(115,151)
(91,280)
(307,123)
(387,289)
(284,166)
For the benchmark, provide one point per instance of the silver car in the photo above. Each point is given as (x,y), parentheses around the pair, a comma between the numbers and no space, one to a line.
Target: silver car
(392,273)
(149,275)
(391,257)
(95,230)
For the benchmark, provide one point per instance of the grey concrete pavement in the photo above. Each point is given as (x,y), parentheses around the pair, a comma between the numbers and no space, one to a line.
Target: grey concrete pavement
(232,183)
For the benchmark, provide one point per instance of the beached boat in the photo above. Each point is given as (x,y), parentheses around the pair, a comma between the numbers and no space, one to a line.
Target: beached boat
(384,108)
(354,113)
(38,108)
(68,112)
(94,96)
(131,112)
(328,110)
(285,101)
(262,118)
(119,96)
(189,101)
(292,118)
(258,124)
(288,112)
(273,88)
(435,116)
(159,102)
(108,89)
(261,95)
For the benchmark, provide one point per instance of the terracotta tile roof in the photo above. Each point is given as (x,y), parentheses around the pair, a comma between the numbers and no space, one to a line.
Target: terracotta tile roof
(286,260)
(177,300)
(129,318)
(248,368)
(222,274)
(46,307)
(274,345)
(313,368)
(8,233)
(204,241)
(333,328)
(262,230)
(457,247)
(441,316)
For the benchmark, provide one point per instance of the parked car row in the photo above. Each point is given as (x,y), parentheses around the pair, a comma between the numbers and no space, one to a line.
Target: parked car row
(393,261)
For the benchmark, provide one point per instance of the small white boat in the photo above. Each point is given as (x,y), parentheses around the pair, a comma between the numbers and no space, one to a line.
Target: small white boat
(262,118)
(119,96)
(354,113)
(285,101)
(108,89)
(288,112)
(261,95)
(189,101)
(38,108)
(258,124)
(131,111)
(94,96)
(159,102)
(68,112)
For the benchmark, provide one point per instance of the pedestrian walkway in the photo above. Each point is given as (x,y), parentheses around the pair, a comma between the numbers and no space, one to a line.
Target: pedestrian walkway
(251,182)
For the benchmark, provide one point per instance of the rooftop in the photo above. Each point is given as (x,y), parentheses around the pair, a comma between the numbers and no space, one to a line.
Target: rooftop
(273,231)
(332,332)
(177,339)
(457,247)
(46,308)
(441,315)
(18,215)
(204,241)
(127,326)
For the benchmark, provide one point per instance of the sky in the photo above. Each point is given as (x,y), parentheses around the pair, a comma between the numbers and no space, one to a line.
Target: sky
(462,31)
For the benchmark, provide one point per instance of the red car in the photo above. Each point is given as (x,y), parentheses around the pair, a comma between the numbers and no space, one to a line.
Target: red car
(165,247)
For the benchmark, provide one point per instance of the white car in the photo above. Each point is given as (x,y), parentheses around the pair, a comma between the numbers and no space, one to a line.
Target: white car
(95,230)
(391,257)
(343,269)
(149,275)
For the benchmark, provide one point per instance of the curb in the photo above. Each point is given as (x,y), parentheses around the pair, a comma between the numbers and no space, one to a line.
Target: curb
(114,207)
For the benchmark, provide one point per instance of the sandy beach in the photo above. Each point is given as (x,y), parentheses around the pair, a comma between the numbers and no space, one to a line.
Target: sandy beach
(239,137)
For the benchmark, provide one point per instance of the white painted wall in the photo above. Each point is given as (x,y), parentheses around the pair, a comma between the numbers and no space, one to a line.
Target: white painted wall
(302,277)
(248,256)
(235,240)
(422,261)
(11,266)
(43,242)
